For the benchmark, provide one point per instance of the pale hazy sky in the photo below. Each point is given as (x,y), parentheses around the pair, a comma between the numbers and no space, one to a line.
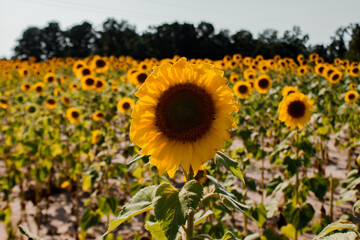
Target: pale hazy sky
(318,18)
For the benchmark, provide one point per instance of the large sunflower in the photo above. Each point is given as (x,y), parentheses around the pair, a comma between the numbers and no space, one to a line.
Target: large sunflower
(182,115)
(351,96)
(295,110)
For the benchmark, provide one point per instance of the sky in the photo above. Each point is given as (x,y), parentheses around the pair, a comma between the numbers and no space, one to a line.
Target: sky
(318,18)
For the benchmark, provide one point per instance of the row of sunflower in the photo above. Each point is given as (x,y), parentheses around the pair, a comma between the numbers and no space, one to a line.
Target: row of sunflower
(66,127)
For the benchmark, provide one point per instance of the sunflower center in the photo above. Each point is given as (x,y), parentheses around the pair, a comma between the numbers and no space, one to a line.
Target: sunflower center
(100,63)
(27,86)
(335,77)
(75,114)
(263,83)
(89,81)
(141,77)
(351,96)
(38,89)
(126,105)
(3,101)
(99,84)
(100,115)
(31,109)
(243,89)
(50,79)
(51,101)
(355,70)
(185,112)
(85,72)
(296,109)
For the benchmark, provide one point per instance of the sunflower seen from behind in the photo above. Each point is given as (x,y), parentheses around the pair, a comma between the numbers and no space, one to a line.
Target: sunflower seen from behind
(295,110)
(182,116)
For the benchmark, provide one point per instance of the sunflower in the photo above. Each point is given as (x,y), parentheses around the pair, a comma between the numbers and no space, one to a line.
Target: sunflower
(355,71)
(39,87)
(352,86)
(335,76)
(99,65)
(98,116)
(100,85)
(250,74)
(139,78)
(78,65)
(74,86)
(263,83)
(26,87)
(50,78)
(73,115)
(242,89)
(286,91)
(302,70)
(125,105)
(182,115)
(85,72)
(88,83)
(23,72)
(65,100)
(351,96)
(4,103)
(295,110)
(319,69)
(50,103)
(30,108)
(96,136)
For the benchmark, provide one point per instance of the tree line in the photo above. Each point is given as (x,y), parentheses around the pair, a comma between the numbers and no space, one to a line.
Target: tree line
(185,39)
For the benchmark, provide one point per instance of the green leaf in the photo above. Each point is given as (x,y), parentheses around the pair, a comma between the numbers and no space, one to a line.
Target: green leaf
(155,229)
(356,206)
(259,214)
(339,225)
(230,164)
(274,182)
(318,185)
(231,198)
(172,206)
(29,234)
(299,217)
(201,216)
(229,236)
(292,165)
(89,219)
(289,231)
(141,202)
(341,236)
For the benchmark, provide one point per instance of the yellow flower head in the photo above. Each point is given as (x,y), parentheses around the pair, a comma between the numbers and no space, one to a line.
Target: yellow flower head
(98,116)
(50,103)
(96,136)
(65,100)
(4,103)
(183,115)
(99,65)
(73,115)
(295,110)
(286,91)
(26,87)
(351,96)
(50,78)
(88,83)
(39,87)
(125,105)
(100,85)
(242,89)
(263,84)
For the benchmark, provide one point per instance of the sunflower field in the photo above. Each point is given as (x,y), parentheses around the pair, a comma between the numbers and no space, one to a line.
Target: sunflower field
(239,148)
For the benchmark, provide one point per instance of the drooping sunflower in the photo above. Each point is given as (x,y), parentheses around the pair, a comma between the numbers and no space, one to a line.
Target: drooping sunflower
(4,103)
(242,89)
(183,115)
(39,87)
(295,110)
(65,100)
(286,91)
(50,103)
(351,96)
(263,83)
(73,115)
(98,116)
(26,87)
(125,105)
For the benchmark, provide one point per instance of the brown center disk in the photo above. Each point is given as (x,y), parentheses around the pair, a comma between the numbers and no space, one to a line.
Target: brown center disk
(126,105)
(243,89)
(85,72)
(100,115)
(185,112)
(99,84)
(351,96)
(89,81)
(296,109)
(38,89)
(335,77)
(3,101)
(355,70)
(50,79)
(100,63)
(263,83)
(51,101)
(141,77)
(75,114)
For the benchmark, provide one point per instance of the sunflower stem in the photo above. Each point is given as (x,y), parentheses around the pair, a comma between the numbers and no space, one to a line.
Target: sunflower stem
(297,176)
(190,221)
